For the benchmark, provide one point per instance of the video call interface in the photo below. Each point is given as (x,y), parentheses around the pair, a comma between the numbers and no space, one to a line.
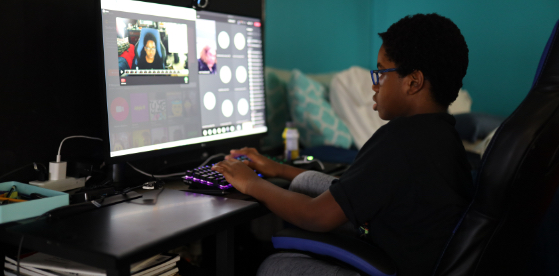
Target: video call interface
(176,76)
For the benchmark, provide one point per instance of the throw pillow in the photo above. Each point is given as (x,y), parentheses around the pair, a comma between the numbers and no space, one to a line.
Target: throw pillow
(277,112)
(312,114)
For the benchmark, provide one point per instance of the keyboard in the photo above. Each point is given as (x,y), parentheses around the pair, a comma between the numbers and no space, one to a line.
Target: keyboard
(204,178)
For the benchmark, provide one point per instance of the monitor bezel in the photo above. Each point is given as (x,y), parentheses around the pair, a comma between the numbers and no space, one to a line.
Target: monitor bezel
(198,147)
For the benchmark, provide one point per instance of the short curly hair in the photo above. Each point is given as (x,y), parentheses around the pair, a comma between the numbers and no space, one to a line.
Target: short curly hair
(434,45)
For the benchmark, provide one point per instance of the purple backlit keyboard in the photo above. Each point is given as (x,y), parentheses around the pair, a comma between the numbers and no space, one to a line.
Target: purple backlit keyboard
(204,178)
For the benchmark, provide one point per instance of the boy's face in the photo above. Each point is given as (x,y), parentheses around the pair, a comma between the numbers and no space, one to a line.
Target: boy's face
(150,49)
(389,95)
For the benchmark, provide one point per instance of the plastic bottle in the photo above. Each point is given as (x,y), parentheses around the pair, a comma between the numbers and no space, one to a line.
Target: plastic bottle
(291,141)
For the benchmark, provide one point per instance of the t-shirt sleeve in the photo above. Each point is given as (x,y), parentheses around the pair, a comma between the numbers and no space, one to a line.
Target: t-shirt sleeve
(376,176)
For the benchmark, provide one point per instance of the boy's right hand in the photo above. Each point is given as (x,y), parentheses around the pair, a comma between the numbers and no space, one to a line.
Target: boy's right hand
(258,162)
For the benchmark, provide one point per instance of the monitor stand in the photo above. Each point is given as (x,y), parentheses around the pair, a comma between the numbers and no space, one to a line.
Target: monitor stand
(118,176)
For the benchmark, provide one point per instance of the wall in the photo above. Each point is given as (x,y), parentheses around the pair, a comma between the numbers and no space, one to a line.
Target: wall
(505,38)
(318,35)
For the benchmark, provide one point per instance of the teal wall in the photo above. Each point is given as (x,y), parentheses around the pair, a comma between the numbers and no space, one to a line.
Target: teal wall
(505,38)
(318,35)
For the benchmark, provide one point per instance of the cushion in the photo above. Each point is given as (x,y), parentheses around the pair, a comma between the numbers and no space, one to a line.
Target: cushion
(128,54)
(277,113)
(312,114)
(285,76)
(462,104)
(351,97)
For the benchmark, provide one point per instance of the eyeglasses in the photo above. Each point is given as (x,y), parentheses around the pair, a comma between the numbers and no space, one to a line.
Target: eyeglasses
(375,74)
(150,49)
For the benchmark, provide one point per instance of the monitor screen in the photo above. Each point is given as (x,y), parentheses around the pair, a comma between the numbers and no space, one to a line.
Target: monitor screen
(176,77)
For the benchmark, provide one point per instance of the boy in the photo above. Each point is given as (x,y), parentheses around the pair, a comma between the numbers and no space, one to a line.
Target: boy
(411,181)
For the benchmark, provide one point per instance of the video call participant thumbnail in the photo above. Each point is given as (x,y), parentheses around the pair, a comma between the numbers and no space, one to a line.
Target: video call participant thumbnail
(149,57)
(207,60)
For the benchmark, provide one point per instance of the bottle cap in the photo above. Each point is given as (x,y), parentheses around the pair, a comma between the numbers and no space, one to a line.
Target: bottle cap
(290,125)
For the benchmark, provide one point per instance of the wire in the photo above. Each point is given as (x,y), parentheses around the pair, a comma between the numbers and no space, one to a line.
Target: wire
(174,174)
(89,188)
(212,157)
(127,190)
(150,201)
(156,175)
(16,170)
(319,163)
(37,168)
(157,195)
(75,136)
(19,254)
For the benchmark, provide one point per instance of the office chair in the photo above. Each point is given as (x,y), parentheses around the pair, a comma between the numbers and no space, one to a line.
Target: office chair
(161,51)
(516,182)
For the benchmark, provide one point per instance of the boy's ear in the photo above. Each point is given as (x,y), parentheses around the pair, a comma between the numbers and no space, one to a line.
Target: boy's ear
(416,81)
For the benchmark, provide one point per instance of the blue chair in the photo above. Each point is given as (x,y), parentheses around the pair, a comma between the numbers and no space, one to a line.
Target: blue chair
(516,182)
(161,51)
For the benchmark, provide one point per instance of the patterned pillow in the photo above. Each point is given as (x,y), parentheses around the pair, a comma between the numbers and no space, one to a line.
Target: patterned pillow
(277,112)
(312,114)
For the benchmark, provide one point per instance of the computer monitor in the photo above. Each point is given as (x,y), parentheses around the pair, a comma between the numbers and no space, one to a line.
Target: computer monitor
(179,79)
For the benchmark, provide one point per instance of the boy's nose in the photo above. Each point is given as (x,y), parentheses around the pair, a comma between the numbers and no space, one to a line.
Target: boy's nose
(375,88)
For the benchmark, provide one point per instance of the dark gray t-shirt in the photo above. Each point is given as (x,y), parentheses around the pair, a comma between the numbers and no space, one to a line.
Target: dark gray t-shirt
(408,185)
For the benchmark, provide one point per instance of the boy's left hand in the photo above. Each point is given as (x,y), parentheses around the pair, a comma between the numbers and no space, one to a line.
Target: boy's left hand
(237,173)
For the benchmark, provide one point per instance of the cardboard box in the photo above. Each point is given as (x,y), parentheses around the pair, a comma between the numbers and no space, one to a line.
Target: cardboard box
(31,208)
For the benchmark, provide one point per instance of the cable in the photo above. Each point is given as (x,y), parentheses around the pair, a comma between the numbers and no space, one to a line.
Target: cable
(173,174)
(153,201)
(16,170)
(75,136)
(37,168)
(19,254)
(89,188)
(212,157)
(156,175)
(319,163)
(127,190)
(157,195)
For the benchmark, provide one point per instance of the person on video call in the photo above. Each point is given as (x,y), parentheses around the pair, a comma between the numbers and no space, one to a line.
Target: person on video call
(410,182)
(149,57)
(207,59)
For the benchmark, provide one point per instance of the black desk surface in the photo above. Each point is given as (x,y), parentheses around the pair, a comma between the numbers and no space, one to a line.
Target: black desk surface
(115,236)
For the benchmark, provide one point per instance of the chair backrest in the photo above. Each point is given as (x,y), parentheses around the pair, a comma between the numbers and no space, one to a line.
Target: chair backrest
(515,185)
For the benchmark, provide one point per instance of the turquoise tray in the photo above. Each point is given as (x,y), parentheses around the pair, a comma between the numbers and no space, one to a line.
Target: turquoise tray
(31,208)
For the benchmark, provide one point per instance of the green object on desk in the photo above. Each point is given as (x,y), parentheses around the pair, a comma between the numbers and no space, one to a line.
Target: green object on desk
(12,193)
(30,208)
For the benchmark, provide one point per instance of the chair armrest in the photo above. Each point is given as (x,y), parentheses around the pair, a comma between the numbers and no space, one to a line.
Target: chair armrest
(365,257)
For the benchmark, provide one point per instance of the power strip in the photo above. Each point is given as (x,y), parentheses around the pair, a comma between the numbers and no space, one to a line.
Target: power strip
(60,185)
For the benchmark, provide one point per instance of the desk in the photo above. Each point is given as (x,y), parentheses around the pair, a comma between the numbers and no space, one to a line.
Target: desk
(113,237)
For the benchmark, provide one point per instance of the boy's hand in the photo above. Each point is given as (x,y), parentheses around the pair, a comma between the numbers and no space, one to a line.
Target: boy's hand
(237,173)
(260,163)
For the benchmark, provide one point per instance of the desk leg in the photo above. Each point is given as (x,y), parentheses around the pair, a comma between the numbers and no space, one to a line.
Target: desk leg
(225,252)
(121,271)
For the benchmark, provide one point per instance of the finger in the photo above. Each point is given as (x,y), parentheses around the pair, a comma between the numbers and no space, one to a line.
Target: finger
(217,168)
(220,167)
(251,153)
(230,162)
(238,152)
(246,162)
